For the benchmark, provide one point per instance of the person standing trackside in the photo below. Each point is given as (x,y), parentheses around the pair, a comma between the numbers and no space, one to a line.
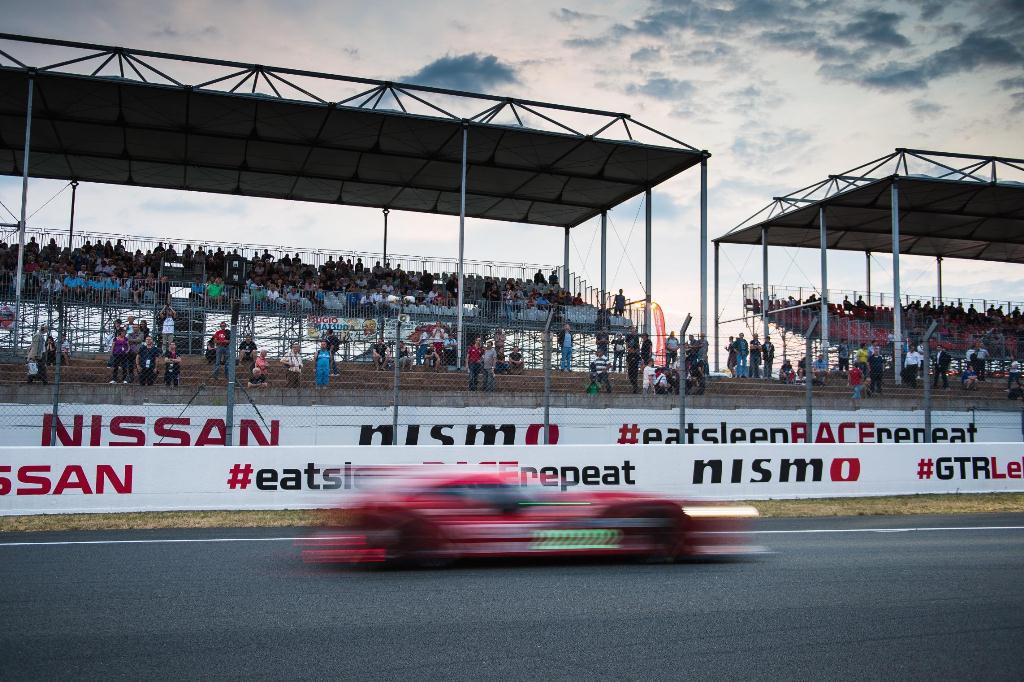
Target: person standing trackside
(730,362)
(942,363)
(293,361)
(646,349)
(323,364)
(172,365)
(145,362)
(565,344)
(633,360)
(671,349)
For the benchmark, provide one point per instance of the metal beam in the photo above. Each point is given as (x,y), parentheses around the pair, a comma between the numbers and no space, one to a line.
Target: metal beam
(462,243)
(717,344)
(565,261)
(897,311)
(704,249)
(867,259)
(938,268)
(823,247)
(647,261)
(764,283)
(21,223)
(604,263)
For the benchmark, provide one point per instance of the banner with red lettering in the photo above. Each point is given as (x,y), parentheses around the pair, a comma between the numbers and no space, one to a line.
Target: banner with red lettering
(36,480)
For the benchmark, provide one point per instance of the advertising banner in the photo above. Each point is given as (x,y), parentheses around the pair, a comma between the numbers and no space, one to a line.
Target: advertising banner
(36,480)
(277,425)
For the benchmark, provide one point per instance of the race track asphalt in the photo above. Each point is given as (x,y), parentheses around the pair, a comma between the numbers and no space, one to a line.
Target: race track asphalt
(846,603)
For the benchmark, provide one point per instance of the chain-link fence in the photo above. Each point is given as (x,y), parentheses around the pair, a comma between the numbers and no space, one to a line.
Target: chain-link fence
(561,374)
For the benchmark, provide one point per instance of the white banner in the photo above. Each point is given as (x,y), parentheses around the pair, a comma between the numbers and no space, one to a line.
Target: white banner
(36,480)
(172,425)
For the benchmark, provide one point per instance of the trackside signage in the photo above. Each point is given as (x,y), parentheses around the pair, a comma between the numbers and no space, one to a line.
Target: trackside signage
(279,425)
(36,480)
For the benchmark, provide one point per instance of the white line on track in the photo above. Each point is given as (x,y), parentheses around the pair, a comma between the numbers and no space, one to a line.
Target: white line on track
(170,541)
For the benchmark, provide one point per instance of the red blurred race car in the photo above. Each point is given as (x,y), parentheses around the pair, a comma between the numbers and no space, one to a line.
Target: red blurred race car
(433,520)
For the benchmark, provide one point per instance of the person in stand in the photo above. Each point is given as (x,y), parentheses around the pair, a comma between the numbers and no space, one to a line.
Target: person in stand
(221,339)
(786,373)
(876,368)
(474,359)
(145,362)
(912,367)
(515,361)
(671,349)
(247,352)
(860,358)
(380,354)
(262,362)
(856,381)
(37,355)
(1013,376)
(942,363)
(172,365)
(565,344)
(258,379)
(618,353)
(768,355)
(120,356)
(599,371)
(422,346)
(620,303)
(488,363)
(730,362)
(742,355)
(293,361)
(323,365)
(969,379)
(649,373)
(755,357)
(633,360)
(646,349)
(843,354)
(333,345)
(211,351)
(167,325)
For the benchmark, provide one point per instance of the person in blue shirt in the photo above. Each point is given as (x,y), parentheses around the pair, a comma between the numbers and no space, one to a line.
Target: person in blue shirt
(565,344)
(323,365)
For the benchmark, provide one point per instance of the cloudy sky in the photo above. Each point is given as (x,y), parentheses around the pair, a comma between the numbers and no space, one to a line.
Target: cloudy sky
(781,92)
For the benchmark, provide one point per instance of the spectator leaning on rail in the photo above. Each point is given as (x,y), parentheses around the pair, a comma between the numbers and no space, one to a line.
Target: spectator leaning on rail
(293,361)
(172,365)
(37,355)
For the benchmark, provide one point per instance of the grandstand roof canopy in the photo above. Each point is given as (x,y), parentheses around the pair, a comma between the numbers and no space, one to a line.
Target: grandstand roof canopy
(115,115)
(950,205)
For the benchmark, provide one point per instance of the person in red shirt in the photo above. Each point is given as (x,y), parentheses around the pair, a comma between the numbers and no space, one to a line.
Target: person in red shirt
(856,381)
(221,338)
(474,357)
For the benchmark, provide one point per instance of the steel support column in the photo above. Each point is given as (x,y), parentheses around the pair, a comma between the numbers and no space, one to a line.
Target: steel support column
(897,308)
(704,251)
(21,223)
(385,257)
(565,262)
(764,284)
(647,262)
(462,244)
(604,263)
(938,267)
(717,344)
(867,259)
(823,245)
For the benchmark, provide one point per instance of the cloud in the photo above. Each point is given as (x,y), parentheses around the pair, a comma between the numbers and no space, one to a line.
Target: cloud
(645,55)
(1017,97)
(762,145)
(473,71)
(876,29)
(168,31)
(924,109)
(571,16)
(976,50)
(662,87)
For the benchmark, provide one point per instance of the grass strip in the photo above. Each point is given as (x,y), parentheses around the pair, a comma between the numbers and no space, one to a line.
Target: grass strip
(849,506)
